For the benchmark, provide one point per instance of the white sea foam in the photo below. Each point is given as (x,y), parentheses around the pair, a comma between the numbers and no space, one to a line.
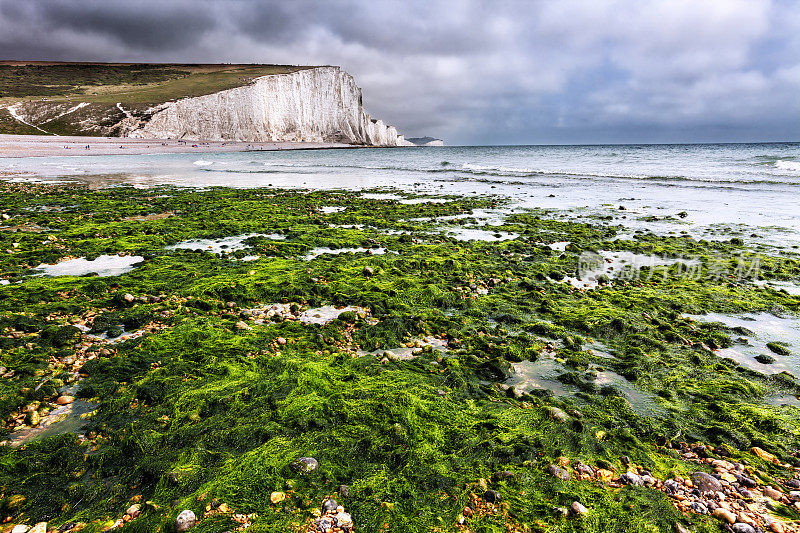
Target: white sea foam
(202,163)
(793,166)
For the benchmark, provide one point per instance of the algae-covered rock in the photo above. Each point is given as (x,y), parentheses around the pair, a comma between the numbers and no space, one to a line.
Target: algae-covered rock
(779,348)
(305,465)
(558,472)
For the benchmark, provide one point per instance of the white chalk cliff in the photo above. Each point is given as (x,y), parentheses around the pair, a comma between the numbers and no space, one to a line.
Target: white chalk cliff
(320,104)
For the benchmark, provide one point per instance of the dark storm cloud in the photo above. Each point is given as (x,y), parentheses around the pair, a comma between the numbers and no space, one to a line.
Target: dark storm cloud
(477,71)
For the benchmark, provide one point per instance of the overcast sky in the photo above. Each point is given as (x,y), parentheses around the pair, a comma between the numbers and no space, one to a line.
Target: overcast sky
(471,72)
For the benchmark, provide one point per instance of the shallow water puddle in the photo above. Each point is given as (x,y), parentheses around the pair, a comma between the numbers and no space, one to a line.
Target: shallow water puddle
(316,252)
(765,328)
(380,196)
(317,315)
(414,201)
(409,352)
(541,374)
(791,288)
(783,400)
(63,419)
(467,234)
(594,267)
(225,244)
(103,266)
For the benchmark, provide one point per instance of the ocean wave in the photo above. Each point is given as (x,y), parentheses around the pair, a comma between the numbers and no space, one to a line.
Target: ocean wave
(792,166)
(202,163)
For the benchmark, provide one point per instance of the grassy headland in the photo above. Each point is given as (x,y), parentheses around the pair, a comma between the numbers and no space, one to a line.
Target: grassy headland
(46,87)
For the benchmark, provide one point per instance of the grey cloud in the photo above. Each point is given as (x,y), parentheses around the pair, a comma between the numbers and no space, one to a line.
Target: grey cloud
(477,71)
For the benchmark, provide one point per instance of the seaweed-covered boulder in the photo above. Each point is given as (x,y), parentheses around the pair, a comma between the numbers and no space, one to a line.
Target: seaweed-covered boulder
(496,369)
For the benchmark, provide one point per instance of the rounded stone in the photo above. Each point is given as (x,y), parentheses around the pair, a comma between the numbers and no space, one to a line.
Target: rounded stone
(305,465)
(706,483)
(492,496)
(578,509)
(134,510)
(185,521)
(330,505)
(65,399)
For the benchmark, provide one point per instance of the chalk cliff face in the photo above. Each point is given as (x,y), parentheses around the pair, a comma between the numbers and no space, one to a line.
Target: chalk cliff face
(314,105)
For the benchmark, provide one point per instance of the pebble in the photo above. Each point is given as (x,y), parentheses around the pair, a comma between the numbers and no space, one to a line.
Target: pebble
(724,515)
(492,496)
(185,521)
(330,505)
(706,483)
(242,325)
(558,472)
(741,527)
(629,478)
(578,509)
(41,527)
(305,465)
(65,400)
(769,492)
(557,414)
(20,528)
(134,510)
(277,497)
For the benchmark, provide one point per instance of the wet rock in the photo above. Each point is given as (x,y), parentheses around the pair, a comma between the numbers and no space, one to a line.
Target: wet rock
(67,526)
(20,528)
(185,521)
(305,465)
(368,271)
(344,491)
(629,478)
(65,399)
(277,497)
(343,520)
(330,505)
(492,496)
(134,510)
(499,476)
(745,481)
(560,473)
(41,527)
(281,341)
(741,527)
(129,298)
(769,492)
(242,325)
(706,483)
(32,418)
(557,414)
(724,515)
(699,508)
(578,509)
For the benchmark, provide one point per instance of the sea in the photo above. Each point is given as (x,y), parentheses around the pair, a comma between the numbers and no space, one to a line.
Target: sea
(711,191)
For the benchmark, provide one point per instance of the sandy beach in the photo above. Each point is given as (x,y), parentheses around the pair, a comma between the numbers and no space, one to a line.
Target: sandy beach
(51,145)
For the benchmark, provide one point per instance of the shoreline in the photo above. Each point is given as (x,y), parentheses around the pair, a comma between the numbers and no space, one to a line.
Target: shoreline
(12,146)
